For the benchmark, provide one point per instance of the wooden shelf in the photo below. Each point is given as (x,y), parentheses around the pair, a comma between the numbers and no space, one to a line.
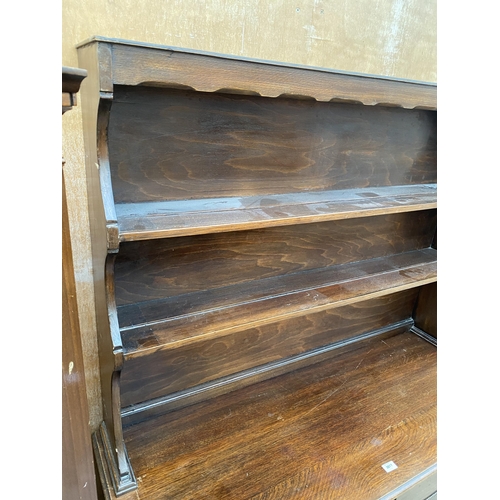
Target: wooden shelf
(188,318)
(326,427)
(263,273)
(150,220)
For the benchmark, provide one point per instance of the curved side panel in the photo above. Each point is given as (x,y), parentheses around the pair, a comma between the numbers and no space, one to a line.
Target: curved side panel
(109,448)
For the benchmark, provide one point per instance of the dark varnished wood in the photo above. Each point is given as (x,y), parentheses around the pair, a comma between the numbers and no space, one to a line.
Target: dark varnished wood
(170,370)
(78,477)
(153,270)
(426,309)
(320,432)
(276,160)
(151,220)
(158,406)
(136,63)
(95,110)
(374,278)
(71,80)
(176,145)
(260,236)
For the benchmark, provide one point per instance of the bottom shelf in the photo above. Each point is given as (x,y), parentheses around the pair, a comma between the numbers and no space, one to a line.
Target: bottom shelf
(321,432)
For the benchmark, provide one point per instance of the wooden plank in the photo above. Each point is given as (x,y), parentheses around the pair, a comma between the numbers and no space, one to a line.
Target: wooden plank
(150,220)
(325,428)
(95,109)
(155,270)
(426,310)
(165,371)
(141,411)
(169,144)
(138,64)
(347,285)
(269,288)
(78,475)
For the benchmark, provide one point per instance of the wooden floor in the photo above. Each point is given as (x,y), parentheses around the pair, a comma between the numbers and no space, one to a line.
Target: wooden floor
(320,432)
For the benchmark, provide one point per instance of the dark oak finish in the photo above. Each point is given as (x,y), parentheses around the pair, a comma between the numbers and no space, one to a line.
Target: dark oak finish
(151,375)
(426,310)
(126,63)
(166,219)
(175,145)
(320,432)
(153,270)
(263,243)
(78,477)
(197,316)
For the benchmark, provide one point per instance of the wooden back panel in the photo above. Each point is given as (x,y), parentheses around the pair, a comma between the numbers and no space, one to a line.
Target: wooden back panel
(197,276)
(165,371)
(153,270)
(167,144)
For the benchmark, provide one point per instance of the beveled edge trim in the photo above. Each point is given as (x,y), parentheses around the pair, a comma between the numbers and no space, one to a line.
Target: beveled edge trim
(134,43)
(72,78)
(429,338)
(107,468)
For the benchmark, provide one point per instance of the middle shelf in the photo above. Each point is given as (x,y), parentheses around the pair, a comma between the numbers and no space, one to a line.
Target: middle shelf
(192,309)
(184,319)
(173,291)
(211,335)
(161,219)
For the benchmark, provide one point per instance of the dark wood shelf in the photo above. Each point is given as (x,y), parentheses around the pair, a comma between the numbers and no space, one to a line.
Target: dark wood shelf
(209,314)
(328,427)
(263,240)
(150,220)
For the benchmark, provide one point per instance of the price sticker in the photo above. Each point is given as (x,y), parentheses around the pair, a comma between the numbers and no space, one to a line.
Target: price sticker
(389,466)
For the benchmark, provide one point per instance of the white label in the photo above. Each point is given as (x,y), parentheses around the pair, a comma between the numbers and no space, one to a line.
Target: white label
(389,466)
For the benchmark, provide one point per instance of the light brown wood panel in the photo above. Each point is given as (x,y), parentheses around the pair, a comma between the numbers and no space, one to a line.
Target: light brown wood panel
(377,400)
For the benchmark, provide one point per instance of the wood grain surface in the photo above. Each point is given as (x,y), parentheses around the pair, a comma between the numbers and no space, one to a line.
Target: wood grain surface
(167,219)
(176,145)
(320,432)
(264,232)
(164,371)
(78,474)
(155,270)
(426,309)
(139,64)
(140,412)
(371,279)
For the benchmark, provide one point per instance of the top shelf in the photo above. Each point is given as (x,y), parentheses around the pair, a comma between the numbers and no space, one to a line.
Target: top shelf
(166,219)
